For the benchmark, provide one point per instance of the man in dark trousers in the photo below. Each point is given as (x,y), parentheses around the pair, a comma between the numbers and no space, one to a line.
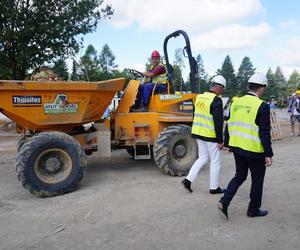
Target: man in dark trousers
(250,140)
(208,131)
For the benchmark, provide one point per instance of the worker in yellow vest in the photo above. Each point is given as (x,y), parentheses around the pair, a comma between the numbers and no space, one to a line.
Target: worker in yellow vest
(250,141)
(208,131)
(156,75)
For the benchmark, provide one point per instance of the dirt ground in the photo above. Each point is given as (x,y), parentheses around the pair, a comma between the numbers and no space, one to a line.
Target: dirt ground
(126,204)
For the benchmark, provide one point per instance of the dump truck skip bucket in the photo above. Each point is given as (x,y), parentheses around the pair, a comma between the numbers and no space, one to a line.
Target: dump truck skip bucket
(60,106)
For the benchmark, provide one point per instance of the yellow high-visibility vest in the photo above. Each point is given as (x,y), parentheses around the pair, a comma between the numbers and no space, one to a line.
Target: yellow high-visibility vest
(158,79)
(203,123)
(243,131)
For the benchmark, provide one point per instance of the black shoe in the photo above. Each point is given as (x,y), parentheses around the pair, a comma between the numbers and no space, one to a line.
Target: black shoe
(223,207)
(187,184)
(217,191)
(139,109)
(133,109)
(143,109)
(258,213)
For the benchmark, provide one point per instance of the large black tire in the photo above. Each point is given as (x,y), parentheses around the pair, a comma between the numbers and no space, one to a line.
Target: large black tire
(51,163)
(175,151)
(21,142)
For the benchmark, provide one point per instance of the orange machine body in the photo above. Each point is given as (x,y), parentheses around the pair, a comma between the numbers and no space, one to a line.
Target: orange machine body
(130,128)
(59,106)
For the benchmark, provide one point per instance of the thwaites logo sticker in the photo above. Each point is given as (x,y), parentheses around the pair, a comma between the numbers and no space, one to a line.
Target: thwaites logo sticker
(26,101)
(60,106)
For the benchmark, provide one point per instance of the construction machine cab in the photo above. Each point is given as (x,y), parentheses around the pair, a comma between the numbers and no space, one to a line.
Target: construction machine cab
(164,131)
(187,52)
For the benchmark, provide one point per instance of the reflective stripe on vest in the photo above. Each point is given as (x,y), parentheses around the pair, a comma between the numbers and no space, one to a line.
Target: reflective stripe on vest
(203,123)
(158,79)
(243,131)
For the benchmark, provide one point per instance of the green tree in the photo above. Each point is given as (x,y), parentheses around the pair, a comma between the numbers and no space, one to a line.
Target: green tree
(107,60)
(74,75)
(178,81)
(245,71)
(227,71)
(90,64)
(96,67)
(179,60)
(178,66)
(272,88)
(124,73)
(293,81)
(201,76)
(61,69)
(280,81)
(38,31)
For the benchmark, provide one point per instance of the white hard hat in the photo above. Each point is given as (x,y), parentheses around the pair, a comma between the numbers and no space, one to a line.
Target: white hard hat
(259,78)
(220,80)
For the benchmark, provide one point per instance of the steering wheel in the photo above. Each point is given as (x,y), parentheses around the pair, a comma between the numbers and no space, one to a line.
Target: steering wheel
(136,74)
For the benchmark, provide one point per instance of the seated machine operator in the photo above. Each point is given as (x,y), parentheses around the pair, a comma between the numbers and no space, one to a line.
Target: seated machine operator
(157,74)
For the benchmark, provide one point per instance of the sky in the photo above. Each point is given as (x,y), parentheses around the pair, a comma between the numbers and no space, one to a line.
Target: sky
(267,31)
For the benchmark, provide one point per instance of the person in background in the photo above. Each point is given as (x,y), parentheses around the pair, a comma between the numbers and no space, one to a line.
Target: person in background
(207,129)
(156,74)
(248,135)
(273,103)
(294,110)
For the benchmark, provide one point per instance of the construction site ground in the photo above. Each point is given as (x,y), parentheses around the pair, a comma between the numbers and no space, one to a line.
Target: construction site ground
(126,204)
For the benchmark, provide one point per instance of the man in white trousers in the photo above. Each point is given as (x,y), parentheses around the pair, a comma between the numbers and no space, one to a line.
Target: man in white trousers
(208,131)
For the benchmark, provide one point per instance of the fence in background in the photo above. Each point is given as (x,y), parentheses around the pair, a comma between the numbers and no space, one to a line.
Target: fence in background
(276,132)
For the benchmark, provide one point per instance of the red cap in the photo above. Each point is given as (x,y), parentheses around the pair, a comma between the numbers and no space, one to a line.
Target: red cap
(155,54)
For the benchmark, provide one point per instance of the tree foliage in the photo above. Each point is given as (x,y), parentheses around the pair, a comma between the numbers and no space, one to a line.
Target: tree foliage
(178,81)
(90,68)
(293,82)
(279,77)
(61,69)
(90,64)
(272,88)
(179,60)
(201,76)
(227,71)
(74,74)
(35,32)
(178,66)
(107,60)
(280,81)
(245,71)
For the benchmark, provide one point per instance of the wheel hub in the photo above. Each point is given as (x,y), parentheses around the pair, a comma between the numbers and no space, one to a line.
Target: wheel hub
(180,150)
(53,164)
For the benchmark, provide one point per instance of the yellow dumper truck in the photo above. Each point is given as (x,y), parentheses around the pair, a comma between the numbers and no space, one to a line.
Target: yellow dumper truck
(50,115)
